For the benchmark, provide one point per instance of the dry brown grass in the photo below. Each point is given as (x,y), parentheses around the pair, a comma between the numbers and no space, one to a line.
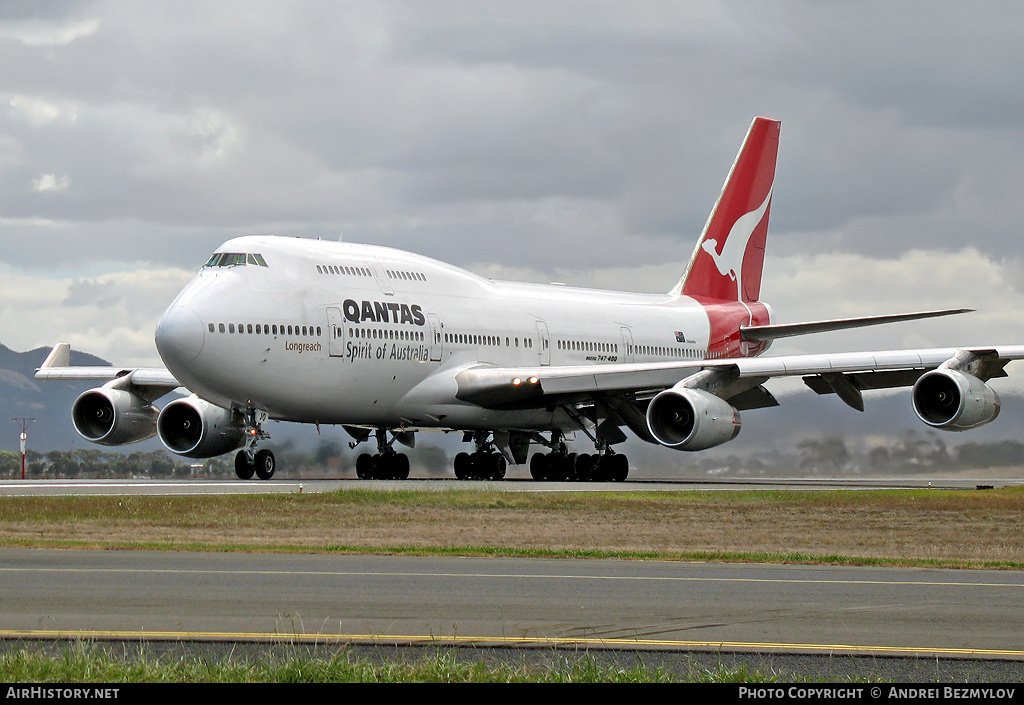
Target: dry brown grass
(958,528)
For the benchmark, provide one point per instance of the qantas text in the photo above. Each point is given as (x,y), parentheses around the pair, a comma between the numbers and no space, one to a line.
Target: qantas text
(383,312)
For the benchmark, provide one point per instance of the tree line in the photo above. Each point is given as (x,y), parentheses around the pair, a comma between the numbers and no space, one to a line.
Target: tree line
(911,453)
(326,459)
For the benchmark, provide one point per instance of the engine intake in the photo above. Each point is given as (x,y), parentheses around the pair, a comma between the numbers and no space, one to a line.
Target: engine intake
(113,417)
(196,428)
(691,419)
(954,401)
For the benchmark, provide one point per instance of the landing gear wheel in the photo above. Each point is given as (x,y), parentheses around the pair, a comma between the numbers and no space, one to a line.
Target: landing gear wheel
(382,466)
(364,466)
(264,464)
(492,466)
(619,468)
(396,466)
(244,468)
(559,465)
(583,467)
(540,466)
(463,466)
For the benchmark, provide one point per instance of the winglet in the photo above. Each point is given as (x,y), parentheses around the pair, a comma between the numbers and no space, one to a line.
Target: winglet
(60,356)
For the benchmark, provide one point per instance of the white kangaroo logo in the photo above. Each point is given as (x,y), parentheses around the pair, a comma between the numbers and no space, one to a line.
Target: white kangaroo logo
(730,261)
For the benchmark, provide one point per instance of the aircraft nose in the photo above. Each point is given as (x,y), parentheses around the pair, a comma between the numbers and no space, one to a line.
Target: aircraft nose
(179,336)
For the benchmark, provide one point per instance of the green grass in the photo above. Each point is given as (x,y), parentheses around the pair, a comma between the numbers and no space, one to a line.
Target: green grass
(276,523)
(84,662)
(214,522)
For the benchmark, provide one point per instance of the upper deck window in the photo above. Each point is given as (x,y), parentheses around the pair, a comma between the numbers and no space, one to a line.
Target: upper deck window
(231,259)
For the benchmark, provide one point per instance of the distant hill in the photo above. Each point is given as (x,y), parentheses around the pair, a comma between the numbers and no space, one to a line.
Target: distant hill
(800,416)
(21,395)
(48,402)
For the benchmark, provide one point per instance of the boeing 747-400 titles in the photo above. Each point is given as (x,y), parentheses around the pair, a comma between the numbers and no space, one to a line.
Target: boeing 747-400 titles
(387,343)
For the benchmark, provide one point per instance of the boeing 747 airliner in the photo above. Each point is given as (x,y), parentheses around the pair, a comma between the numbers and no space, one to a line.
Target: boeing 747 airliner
(387,343)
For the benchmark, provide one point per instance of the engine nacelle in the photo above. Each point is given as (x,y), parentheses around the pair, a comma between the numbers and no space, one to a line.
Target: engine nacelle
(196,428)
(691,419)
(954,400)
(113,417)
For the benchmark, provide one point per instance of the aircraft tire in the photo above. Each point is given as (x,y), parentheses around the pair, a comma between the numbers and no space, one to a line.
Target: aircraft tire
(567,469)
(619,468)
(496,466)
(480,468)
(540,466)
(264,464)
(559,467)
(364,466)
(399,466)
(463,466)
(584,467)
(244,469)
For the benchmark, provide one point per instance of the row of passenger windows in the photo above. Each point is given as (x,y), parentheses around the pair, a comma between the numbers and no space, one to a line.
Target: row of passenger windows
(386,334)
(353,271)
(265,329)
(486,340)
(344,269)
(407,276)
(599,347)
(588,346)
(665,351)
(456,338)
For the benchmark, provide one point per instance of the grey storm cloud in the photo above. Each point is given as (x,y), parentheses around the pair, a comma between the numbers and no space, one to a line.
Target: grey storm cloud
(544,135)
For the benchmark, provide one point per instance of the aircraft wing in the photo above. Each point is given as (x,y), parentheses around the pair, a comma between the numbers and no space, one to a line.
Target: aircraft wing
(56,367)
(845,374)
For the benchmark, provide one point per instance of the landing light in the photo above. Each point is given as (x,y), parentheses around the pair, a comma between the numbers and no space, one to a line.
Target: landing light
(517,381)
(533,380)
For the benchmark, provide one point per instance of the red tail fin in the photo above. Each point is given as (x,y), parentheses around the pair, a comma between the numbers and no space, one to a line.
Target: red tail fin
(729,256)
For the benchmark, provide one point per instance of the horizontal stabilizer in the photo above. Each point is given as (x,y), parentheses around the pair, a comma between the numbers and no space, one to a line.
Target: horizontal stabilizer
(786,330)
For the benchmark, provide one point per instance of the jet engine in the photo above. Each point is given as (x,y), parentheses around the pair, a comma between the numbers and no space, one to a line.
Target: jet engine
(196,428)
(954,400)
(691,419)
(113,417)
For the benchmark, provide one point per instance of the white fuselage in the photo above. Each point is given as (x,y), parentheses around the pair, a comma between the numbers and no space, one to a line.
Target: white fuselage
(336,333)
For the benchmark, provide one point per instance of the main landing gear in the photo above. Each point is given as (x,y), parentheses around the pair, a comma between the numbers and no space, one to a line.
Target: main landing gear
(385,464)
(561,465)
(484,463)
(249,461)
(582,467)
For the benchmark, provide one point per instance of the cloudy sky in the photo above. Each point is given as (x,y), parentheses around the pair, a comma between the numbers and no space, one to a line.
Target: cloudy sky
(582,142)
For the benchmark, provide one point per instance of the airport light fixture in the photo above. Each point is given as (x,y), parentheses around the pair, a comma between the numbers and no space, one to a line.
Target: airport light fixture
(23,438)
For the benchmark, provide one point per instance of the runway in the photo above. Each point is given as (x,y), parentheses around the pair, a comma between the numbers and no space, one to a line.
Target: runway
(168,486)
(592,604)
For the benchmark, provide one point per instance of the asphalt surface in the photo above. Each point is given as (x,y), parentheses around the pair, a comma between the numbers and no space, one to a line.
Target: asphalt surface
(154,486)
(822,623)
(888,624)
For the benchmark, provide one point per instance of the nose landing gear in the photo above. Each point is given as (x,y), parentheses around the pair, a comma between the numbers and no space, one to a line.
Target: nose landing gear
(485,463)
(249,461)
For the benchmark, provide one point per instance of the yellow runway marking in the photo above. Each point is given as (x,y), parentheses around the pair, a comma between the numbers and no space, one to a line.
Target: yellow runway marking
(454,640)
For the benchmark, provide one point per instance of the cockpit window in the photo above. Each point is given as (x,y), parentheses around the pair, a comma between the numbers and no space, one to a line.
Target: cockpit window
(232,259)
